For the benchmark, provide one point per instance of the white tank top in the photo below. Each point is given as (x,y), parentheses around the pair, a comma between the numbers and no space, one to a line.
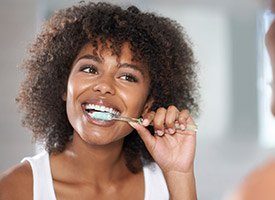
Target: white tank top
(155,185)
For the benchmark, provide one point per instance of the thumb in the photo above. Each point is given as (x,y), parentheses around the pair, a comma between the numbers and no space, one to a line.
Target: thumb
(145,135)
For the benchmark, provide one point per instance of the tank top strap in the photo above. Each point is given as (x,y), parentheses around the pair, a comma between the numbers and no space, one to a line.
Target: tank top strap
(42,178)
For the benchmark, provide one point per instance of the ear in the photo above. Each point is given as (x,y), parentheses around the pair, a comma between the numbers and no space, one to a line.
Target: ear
(148,106)
(64,96)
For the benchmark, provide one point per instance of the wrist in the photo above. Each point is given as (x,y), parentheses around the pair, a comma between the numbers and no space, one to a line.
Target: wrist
(179,175)
(181,185)
(179,171)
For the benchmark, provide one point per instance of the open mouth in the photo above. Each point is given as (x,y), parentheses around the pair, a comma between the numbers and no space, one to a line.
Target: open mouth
(90,108)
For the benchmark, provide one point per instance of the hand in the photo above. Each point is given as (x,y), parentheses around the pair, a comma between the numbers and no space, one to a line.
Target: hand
(173,149)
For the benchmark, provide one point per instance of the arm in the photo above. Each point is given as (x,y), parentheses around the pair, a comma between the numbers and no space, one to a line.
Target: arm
(16,183)
(181,185)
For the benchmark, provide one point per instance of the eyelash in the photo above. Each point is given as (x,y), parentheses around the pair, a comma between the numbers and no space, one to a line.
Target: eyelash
(89,68)
(128,77)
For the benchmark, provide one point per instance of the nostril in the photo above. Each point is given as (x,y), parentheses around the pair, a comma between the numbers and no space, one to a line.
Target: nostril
(104,88)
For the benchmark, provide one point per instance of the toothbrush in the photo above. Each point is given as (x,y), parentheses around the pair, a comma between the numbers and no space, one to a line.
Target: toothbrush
(109,116)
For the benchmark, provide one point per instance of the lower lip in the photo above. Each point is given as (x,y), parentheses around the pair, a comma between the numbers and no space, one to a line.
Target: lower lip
(98,122)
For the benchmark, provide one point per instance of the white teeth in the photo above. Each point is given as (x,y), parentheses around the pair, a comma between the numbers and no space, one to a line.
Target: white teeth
(101,108)
(107,109)
(89,106)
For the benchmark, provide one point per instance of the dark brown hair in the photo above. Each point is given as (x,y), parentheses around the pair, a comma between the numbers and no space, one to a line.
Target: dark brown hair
(156,41)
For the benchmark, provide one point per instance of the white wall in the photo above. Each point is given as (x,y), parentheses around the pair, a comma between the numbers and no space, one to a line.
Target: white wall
(18,26)
(208,29)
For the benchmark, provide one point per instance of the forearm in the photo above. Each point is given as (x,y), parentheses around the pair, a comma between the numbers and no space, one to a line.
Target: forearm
(181,186)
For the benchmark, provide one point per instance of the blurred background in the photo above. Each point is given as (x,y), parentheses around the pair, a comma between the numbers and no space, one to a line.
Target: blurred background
(236,130)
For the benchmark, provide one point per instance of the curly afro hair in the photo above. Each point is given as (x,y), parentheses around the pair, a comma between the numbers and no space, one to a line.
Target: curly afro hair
(158,42)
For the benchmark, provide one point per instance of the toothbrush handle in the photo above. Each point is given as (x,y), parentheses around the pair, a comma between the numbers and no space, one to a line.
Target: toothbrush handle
(189,127)
(128,119)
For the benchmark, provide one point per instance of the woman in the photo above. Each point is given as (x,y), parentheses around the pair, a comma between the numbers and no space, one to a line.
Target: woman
(101,58)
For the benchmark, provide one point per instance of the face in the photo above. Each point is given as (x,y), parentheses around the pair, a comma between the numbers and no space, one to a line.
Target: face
(104,81)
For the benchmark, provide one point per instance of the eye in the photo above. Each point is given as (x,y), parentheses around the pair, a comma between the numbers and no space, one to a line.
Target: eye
(91,69)
(129,77)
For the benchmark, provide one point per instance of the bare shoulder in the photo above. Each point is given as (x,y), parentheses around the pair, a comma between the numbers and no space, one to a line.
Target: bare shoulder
(259,184)
(264,173)
(17,182)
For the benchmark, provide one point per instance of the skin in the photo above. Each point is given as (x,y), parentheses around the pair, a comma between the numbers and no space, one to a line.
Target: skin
(259,184)
(95,166)
(272,6)
(270,41)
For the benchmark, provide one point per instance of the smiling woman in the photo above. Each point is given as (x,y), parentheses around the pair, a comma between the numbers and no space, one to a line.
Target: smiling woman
(115,84)
(101,58)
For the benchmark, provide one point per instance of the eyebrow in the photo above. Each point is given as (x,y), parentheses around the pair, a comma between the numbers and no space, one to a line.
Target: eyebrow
(126,65)
(134,67)
(89,56)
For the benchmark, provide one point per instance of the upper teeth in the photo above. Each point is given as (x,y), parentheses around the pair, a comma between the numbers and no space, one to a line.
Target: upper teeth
(101,108)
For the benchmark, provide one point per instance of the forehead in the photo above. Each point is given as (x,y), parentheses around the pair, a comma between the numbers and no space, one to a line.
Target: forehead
(106,53)
(101,52)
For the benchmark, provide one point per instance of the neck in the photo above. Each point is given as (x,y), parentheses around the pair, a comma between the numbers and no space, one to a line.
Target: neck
(95,163)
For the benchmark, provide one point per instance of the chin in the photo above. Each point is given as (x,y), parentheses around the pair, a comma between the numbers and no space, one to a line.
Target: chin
(100,138)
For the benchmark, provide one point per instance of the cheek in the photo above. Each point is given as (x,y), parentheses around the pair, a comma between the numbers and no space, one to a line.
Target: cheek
(71,88)
(74,89)
(71,92)
(73,106)
(135,100)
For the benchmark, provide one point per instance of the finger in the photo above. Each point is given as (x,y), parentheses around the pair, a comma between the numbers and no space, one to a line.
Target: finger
(145,135)
(170,118)
(190,120)
(187,132)
(183,116)
(191,126)
(187,125)
(159,119)
(148,118)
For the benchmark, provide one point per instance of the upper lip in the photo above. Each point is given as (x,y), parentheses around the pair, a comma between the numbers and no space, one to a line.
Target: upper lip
(102,102)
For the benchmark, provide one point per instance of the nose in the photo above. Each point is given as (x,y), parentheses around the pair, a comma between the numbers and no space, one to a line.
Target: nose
(105,85)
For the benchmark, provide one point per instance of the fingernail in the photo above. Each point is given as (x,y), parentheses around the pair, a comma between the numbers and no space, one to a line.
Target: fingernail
(171,130)
(145,122)
(182,127)
(159,133)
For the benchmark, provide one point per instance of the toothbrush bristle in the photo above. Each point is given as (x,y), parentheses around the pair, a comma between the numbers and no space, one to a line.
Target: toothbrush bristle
(102,116)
